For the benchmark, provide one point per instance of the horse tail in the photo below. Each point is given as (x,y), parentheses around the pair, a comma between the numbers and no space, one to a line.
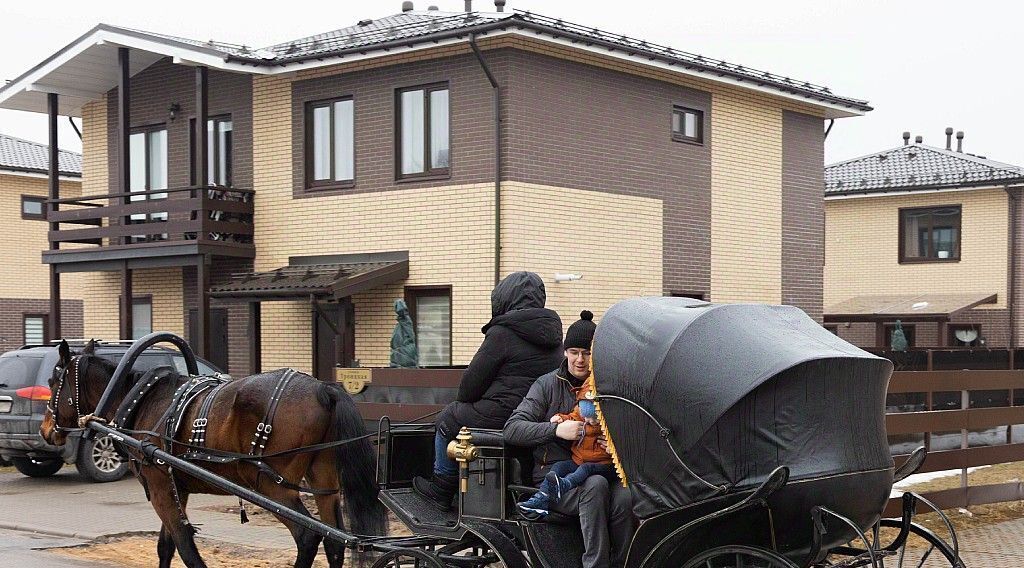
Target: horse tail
(355,462)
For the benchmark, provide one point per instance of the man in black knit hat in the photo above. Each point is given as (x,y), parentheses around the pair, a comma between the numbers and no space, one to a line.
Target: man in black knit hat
(604,509)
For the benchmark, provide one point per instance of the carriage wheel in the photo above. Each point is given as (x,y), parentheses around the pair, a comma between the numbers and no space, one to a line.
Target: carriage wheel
(922,545)
(408,558)
(738,557)
(470,552)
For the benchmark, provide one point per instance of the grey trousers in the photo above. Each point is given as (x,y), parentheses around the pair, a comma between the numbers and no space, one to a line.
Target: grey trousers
(606,518)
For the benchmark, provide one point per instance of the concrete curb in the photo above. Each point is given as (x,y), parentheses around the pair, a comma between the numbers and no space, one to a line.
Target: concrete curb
(36,529)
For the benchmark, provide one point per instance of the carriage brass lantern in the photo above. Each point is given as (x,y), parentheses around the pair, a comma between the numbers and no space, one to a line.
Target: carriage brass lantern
(463,452)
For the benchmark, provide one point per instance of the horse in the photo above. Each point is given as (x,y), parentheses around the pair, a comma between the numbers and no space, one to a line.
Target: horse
(308,412)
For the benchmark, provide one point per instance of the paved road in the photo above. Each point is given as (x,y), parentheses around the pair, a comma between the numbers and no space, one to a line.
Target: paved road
(19,549)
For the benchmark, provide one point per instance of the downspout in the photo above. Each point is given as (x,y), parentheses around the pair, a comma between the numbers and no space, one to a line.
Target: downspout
(831,123)
(1010,303)
(497,156)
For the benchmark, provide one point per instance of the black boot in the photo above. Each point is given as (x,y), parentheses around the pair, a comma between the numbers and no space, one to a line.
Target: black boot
(439,490)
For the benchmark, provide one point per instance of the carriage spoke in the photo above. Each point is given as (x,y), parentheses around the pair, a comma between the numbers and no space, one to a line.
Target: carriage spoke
(925,557)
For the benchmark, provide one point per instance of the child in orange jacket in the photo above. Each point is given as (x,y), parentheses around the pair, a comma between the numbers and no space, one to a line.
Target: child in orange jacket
(588,457)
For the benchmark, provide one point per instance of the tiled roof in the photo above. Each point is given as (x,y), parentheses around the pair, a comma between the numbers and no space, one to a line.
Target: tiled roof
(409,28)
(24,156)
(915,167)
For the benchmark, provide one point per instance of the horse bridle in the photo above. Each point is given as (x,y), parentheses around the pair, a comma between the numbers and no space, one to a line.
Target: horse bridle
(54,402)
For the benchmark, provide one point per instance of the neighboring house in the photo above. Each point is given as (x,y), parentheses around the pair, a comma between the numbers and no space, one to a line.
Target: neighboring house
(928,236)
(24,281)
(351,168)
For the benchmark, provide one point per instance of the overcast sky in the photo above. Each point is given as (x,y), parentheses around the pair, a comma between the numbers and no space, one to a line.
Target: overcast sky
(922,65)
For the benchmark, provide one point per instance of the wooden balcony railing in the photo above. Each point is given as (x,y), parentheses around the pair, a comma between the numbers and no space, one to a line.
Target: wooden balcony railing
(199,215)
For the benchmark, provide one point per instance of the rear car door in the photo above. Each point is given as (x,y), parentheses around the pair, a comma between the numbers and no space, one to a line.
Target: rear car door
(18,387)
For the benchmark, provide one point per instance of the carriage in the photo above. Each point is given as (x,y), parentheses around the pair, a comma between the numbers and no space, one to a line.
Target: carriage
(748,435)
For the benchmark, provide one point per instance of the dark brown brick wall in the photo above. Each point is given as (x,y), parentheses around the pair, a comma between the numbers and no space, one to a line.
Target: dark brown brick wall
(471,115)
(12,319)
(803,212)
(163,83)
(575,125)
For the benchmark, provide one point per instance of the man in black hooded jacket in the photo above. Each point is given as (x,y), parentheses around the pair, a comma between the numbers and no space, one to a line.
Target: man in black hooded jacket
(521,342)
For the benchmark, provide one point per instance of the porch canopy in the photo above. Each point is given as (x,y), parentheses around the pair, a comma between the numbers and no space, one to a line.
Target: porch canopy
(905,307)
(330,277)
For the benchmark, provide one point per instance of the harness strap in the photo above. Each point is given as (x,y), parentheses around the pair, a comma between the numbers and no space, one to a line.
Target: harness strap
(198,437)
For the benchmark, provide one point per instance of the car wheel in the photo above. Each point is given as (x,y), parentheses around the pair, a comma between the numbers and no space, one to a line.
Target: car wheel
(99,460)
(37,468)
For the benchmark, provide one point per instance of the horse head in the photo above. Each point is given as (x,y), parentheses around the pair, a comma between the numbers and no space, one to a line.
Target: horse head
(76,385)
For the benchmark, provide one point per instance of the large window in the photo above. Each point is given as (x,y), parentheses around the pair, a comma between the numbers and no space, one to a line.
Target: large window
(219,132)
(148,148)
(423,131)
(930,234)
(687,125)
(431,311)
(35,329)
(33,207)
(330,144)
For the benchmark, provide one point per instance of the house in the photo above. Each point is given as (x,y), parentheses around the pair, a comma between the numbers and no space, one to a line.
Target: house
(422,156)
(926,235)
(24,283)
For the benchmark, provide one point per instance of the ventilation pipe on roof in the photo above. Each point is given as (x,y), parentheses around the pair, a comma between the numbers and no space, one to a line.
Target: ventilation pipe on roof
(432,8)
(469,5)
(918,139)
(499,5)
(949,137)
(906,138)
(960,141)
(407,6)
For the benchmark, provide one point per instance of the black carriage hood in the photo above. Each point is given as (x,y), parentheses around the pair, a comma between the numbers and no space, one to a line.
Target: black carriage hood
(738,389)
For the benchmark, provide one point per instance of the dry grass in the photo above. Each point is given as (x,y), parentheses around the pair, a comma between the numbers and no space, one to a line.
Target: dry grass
(139,551)
(977,515)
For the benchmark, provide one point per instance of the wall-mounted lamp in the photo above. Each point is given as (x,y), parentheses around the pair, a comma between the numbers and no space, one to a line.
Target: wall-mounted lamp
(559,277)
(173,111)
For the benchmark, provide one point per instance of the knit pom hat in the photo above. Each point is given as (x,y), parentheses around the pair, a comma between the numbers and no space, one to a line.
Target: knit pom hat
(581,332)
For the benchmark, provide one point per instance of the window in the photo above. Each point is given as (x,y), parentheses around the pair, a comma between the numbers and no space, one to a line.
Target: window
(142,317)
(692,295)
(909,331)
(687,125)
(930,234)
(431,311)
(33,207)
(35,326)
(330,144)
(148,147)
(833,329)
(219,131)
(964,335)
(423,139)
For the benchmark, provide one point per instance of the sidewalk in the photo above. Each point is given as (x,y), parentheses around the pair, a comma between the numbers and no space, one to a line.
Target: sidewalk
(66,505)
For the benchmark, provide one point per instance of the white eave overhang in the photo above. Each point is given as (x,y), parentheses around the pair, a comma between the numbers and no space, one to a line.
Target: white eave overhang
(88,67)
(905,192)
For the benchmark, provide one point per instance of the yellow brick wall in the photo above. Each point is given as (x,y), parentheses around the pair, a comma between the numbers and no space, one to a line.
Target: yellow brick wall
(101,290)
(616,245)
(94,148)
(861,247)
(24,240)
(448,232)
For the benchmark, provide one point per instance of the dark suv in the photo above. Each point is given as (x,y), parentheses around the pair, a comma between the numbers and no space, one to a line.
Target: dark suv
(24,392)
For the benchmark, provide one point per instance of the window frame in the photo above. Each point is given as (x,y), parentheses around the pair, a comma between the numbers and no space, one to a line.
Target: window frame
(682,110)
(215,144)
(33,199)
(412,293)
(909,331)
(46,327)
(311,184)
(900,240)
(429,172)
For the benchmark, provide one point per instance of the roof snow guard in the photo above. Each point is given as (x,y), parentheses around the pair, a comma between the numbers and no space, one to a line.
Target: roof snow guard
(917,167)
(87,67)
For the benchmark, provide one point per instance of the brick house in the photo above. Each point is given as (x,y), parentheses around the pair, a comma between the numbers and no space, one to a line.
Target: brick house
(926,235)
(421,156)
(24,282)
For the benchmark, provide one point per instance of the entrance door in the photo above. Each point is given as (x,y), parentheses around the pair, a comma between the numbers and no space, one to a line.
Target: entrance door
(333,337)
(218,354)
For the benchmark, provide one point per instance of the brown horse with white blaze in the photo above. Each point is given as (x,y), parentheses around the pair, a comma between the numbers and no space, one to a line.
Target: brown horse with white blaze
(308,412)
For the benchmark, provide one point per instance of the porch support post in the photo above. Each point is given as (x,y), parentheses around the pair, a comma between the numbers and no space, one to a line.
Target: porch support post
(124,126)
(255,339)
(202,115)
(54,172)
(202,339)
(943,329)
(126,326)
(880,335)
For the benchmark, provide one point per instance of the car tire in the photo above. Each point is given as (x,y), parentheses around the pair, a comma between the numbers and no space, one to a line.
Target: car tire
(37,468)
(99,460)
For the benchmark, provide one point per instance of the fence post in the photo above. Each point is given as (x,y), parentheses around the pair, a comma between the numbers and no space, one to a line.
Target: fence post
(964,405)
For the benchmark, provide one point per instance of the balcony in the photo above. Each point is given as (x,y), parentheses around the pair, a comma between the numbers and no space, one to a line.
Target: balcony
(146,229)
